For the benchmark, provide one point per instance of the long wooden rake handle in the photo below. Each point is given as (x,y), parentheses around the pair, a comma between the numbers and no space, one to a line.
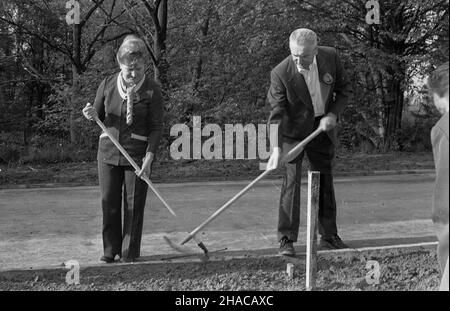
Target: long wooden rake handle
(224,207)
(135,166)
(291,155)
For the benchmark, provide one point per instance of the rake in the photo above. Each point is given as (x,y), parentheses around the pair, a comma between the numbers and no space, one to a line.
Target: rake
(291,155)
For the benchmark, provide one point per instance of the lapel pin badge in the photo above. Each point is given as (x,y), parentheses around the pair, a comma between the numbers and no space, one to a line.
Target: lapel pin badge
(327,78)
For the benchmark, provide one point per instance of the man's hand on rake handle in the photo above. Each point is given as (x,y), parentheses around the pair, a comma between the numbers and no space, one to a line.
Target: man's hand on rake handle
(274,160)
(328,122)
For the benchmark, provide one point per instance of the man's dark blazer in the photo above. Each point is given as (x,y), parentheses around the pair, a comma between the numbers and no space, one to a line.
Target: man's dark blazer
(291,103)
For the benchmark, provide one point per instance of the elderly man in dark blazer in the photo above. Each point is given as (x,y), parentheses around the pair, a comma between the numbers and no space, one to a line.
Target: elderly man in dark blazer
(309,89)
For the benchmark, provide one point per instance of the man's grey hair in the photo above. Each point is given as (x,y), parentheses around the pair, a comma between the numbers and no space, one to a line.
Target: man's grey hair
(438,81)
(303,36)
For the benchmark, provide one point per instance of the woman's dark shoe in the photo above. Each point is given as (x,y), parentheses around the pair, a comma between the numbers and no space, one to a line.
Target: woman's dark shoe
(107,259)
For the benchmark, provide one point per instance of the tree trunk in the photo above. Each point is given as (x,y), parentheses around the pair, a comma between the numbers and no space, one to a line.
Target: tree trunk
(377,85)
(161,66)
(394,108)
(76,70)
(204,34)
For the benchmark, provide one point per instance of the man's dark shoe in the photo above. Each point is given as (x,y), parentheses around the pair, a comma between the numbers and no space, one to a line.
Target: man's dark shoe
(286,247)
(333,242)
(107,259)
(128,259)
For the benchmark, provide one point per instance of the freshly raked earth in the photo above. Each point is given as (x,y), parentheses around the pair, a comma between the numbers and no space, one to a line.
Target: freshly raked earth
(400,270)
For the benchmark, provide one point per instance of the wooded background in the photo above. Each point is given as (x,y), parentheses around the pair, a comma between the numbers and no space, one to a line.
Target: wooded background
(213,59)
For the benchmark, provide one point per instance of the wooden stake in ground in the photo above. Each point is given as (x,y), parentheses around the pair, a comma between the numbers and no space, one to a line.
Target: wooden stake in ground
(311,234)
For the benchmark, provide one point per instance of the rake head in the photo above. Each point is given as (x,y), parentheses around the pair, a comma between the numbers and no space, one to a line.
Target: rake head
(187,251)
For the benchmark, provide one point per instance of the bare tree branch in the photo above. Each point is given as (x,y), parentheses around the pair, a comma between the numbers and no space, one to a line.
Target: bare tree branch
(90,51)
(63,49)
(90,12)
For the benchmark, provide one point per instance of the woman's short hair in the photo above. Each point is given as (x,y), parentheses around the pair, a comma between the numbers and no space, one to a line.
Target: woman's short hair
(438,81)
(132,50)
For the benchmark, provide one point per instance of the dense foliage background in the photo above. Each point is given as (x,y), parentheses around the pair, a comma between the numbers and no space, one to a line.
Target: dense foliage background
(213,59)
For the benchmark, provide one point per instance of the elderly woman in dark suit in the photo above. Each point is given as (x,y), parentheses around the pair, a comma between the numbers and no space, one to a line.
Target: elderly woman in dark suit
(129,103)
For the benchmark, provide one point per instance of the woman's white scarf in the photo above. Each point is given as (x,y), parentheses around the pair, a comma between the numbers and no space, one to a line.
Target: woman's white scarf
(129,94)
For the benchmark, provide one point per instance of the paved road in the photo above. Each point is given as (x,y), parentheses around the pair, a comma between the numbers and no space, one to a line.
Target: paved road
(40,227)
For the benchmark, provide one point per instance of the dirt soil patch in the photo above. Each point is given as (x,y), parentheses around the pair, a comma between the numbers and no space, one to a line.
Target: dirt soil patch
(400,270)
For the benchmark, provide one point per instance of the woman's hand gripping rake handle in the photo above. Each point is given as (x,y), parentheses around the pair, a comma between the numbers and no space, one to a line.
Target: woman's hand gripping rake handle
(135,166)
